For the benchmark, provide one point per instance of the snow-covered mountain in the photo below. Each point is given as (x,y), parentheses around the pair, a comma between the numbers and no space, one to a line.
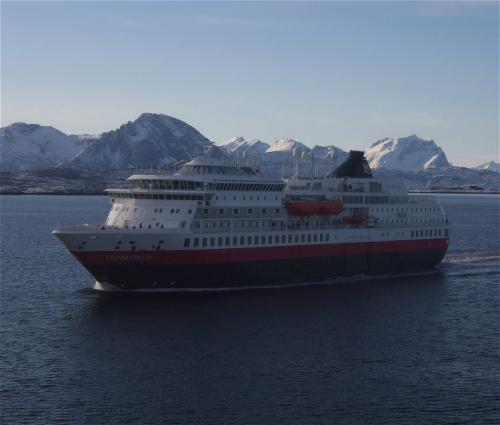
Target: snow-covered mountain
(86,164)
(333,153)
(32,146)
(406,154)
(287,145)
(492,166)
(152,140)
(240,146)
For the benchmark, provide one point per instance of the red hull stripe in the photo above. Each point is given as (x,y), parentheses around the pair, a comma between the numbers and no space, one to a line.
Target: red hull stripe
(262,253)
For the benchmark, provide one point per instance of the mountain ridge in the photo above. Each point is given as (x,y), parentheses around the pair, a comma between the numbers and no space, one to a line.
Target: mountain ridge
(158,140)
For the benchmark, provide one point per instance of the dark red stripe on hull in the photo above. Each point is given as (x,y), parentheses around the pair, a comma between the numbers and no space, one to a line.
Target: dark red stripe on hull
(261,253)
(147,273)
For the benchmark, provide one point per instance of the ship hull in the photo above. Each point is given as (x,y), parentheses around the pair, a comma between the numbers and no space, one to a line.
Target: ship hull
(193,270)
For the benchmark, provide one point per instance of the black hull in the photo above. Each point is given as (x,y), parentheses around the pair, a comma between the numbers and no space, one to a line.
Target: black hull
(263,273)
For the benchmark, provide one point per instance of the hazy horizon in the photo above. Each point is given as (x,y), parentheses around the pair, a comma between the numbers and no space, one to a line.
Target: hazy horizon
(338,73)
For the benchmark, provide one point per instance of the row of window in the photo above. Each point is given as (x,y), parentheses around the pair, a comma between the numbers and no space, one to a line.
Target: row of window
(288,239)
(251,187)
(360,199)
(168,184)
(156,210)
(162,196)
(191,185)
(257,240)
(427,233)
(249,211)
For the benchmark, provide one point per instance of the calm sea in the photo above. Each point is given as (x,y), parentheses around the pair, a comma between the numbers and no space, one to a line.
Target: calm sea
(410,350)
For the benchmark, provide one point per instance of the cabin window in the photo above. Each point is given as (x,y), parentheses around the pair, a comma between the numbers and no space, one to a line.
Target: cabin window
(228,241)
(315,237)
(219,241)
(242,240)
(263,240)
(309,237)
(235,240)
(235,211)
(250,211)
(327,237)
(196,242)
(277,210)
(204,242)
(283,238)
(270,239)
(186,242)
(221,211)
(212,241)
(256,240)
(302,238)
(321,237)
(289,238)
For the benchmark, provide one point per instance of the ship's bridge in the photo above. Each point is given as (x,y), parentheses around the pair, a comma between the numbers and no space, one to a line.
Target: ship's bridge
(206,165)
(212,171)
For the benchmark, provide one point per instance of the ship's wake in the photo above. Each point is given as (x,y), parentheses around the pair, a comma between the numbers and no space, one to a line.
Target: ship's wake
(469,263)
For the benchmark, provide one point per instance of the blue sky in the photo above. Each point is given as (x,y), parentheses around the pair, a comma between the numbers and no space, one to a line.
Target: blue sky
(323,73)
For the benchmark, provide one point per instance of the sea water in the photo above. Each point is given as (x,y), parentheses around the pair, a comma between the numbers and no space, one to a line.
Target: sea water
(419,349)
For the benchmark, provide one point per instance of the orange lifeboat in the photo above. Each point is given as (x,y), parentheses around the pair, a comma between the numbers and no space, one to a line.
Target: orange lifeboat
(302,207)
(354,219)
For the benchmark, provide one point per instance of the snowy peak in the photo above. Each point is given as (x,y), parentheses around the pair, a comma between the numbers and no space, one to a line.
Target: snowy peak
(235,144)
(32,146)
(152,140)
(406,154)
(240,146)
(491,166)
(287,145)
(329,152)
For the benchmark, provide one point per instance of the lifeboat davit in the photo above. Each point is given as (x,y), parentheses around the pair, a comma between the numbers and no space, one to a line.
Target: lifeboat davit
(329,207)
(354,219)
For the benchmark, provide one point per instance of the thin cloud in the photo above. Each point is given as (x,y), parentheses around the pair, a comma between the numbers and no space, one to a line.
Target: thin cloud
(454,9)
(224,21)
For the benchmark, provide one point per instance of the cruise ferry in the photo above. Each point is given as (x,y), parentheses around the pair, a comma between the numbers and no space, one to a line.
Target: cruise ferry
(216,224)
